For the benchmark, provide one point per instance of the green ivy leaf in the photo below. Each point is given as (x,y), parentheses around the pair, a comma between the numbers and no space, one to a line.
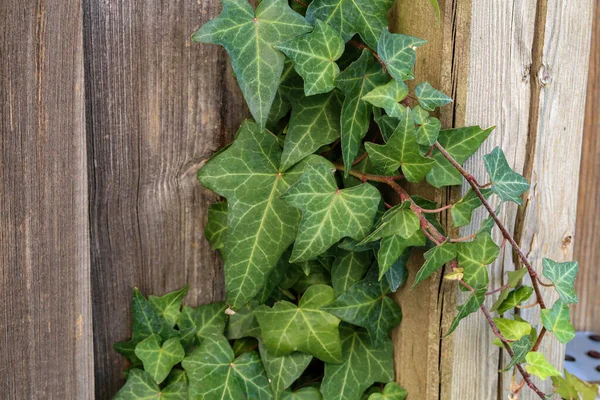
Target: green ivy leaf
(250,39)
(430,98)
(244,345)
(169,305)
(307,393)
(397,274)
(539,366)
(287,328)
(562,275)
(514,298)
(159,358)
(260,226)
(243,323)
(315,122)
(349,17)
(520,350)
(328,213)
(200,322)
(283,371)
(348,268)
(356,81)
(387,125)
(141,386)
(399,54)
(514,277)
(177,376)
(148,321)
(364,363)
(393,247)
(388,97)
(506,183)
(314,56)
(511,329)
(436,6)
(462,211)
(472,304)
(401,149)
(419,115)
(434,260)
(475,256)
(215,374)
(571,387)
(216,228)
(392,391)
(428,132)
(558,321)
(367,305)
(461,143)
(398,220)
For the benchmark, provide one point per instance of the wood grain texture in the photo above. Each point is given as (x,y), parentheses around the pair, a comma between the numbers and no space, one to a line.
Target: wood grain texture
(586,314)
(45,317)
(158,106)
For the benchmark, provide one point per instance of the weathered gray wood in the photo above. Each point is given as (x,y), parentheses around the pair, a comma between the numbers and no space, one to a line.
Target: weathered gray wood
(158,107)
(45,318)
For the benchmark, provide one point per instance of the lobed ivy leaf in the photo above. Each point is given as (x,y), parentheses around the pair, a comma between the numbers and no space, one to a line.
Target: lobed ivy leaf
(571,387)
(387,125)
(398,220)
(520,349)
(419,115)
(506,183)
(306,393)
(367,305)
(475,256)
(348,268)
(430,98)
(328,213)
(512,329)
(514,298)
(364,363)
(394,247)
(250,38)
(472,304)
(260,225)
(315,122)
(158,357)
(388,97)
(243,323)
(392,391)
(283,371)
(140,386)
(562,275)
(428,132)
(434,260)
(198,323)
(307,327)
(216,227)
(399,53)
(349,17)
(539,366)
(355,82)
(558,321)
(215,374)
(314,56)
(460,143)
(397,273)
(401,149)
(462,211)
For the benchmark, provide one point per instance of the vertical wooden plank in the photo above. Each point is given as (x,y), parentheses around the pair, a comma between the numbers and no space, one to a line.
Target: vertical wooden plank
(586,314)
(45,318)
(157,108)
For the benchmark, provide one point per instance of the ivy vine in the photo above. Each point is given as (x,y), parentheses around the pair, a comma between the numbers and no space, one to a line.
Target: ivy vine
(317,228)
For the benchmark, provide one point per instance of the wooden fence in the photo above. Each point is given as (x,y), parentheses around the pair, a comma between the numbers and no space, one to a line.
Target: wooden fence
(107,111)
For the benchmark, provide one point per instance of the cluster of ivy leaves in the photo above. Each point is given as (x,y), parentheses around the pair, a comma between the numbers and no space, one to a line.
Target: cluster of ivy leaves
(311,252)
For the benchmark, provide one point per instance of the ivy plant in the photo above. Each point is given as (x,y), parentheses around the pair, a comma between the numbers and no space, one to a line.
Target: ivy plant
(316,227)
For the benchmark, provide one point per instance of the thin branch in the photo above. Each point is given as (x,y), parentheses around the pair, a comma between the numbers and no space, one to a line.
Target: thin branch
(464,238)
(527,306)
(501,288)
(544,284)
(435,210)
(301,3)
(360,158)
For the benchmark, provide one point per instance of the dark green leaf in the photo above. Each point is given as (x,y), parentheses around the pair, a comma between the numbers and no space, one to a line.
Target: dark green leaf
(515,298)
(397,274)
(158,357)
(393,247)
(430,98)
(307,393)
(147,321)
(475,256)
(387,125)
(348,268)
(462,211)
(140,386)
(243,323)
(388,97)
(562,275)
(200,322)
(399,53)
(434,260)
(428,132)
(520,348)
(216,228)
(283,371)
(472,304)
(506,183)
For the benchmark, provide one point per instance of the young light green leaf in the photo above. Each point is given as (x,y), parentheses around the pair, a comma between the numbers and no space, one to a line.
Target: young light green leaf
(364,363)
(539,366)
(434,260)
(388,97)
(367,305)
(571,387)
(216,228)
(520,349)
(401,149)
(514,298)
(159,358)
(506,183)
(315,122)
(430,98)
(283,371)
(472,304)
(512,329)
(562,275)
(349,17)
(214,374)
(399,53)
(260,225)
(356,81)
(475,256)
(306,393)
(140,386)
(514,277)
(287,328)
(249,37)
(314,56)
(392,391)
(428,132)
(558,321)
(348,268)
(436,6)
(462,211)
(460,143)
(328,213)
(197,323)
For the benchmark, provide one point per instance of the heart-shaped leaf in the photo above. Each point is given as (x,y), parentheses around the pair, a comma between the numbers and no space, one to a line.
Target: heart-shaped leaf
(506,183)
(430,98)
(283,371)
(562,275)
(392,391)
(435,259)
(399,53)
(475,256)
(462,211)
(388,97)
(159,358)
(140,386)
(558,321)
(539,366)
